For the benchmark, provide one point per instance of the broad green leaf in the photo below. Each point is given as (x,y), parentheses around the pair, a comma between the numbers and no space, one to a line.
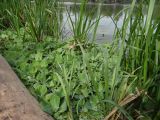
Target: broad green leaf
(43,90)
(55,102)
(63,107)
(38,56)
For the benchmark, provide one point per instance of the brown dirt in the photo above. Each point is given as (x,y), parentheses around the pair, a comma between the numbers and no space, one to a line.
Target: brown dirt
(16,103)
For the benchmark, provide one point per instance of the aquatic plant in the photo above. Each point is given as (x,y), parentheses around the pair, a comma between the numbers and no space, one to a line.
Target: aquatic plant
(83,24)
(85,80)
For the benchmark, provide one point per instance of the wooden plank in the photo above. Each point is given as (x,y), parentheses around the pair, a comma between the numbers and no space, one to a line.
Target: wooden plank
(16,103)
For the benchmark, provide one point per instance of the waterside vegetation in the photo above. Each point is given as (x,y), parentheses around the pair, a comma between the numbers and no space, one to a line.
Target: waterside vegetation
(78,79)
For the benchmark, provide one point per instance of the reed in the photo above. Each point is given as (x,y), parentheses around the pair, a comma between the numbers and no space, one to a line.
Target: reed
(141,48)
(43,18)
(83,24)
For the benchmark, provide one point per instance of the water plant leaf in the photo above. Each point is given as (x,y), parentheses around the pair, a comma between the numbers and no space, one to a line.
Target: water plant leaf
(55,102)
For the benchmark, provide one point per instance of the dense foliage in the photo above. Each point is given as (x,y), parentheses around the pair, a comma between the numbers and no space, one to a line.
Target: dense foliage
(77,79)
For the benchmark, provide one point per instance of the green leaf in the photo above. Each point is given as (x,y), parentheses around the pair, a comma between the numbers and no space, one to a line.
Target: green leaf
(43,90)
(38,56)
(44,63)
(100,87)
(46,107)
(4,36)
(52,84)
(94,101)
(85,91)
(48,96)
(55,102)
(63,107)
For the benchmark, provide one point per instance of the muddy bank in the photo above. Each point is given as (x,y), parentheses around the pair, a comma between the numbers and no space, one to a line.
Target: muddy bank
(16,103)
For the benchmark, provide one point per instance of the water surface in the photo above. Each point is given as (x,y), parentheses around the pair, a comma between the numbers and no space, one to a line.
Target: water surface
(106,26)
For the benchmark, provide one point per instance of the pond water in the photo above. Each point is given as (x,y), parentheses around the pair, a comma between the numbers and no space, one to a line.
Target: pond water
(106,26)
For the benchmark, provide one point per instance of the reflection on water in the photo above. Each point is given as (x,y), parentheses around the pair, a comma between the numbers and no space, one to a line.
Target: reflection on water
(106,25)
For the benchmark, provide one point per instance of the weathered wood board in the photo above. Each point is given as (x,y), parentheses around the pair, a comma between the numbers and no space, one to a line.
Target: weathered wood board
(16,103)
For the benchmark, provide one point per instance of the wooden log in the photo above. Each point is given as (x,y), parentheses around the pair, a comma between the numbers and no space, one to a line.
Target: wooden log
(16,103)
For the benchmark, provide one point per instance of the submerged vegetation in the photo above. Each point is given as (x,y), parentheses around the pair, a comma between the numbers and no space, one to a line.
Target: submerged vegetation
(78,79)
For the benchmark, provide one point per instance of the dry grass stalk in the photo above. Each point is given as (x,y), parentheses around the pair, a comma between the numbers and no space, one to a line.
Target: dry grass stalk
(124,102)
